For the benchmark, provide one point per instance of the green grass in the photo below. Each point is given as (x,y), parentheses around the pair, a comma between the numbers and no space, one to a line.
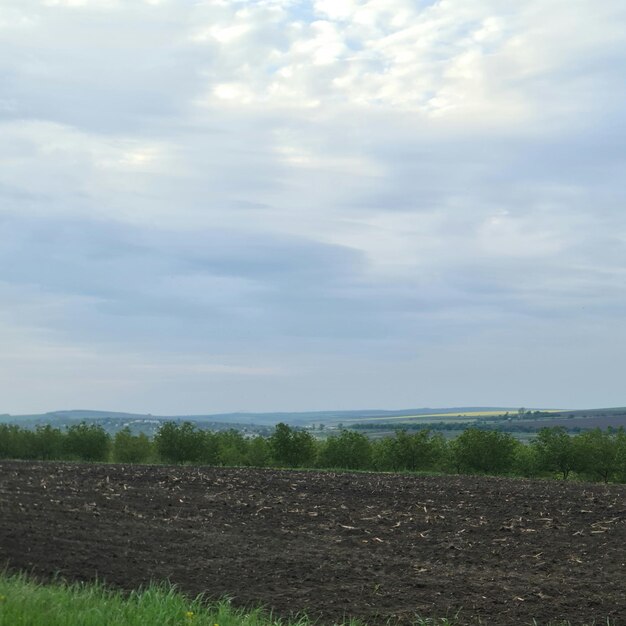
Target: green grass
(24,602)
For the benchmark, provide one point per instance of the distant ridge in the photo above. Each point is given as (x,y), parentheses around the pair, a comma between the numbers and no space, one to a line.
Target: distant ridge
(376,421)
(265,418)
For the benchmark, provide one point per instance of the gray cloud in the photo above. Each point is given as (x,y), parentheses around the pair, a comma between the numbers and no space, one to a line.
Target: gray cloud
(266,205)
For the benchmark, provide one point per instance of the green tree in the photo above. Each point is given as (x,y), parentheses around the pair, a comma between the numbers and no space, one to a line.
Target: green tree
(16,442)
(129,448)
(488,451)
(418,451)
(48,443)
(182,443)
(210,448)
(259,452)
(348,450)
(602,453)
(556,451)
(232,448)
(382,454)
(620,435)
(526,462)
(292,448)
(87,442)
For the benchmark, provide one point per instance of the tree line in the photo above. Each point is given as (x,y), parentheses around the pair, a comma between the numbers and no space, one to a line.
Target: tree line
(591,455)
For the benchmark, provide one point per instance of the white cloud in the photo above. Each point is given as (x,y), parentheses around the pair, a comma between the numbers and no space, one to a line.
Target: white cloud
(302,180)
(89,4)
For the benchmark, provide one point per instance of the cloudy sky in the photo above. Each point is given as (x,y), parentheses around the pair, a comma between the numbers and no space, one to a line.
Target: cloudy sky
(264,205)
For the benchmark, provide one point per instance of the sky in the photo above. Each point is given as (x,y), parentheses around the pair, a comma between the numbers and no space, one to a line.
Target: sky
(266,205)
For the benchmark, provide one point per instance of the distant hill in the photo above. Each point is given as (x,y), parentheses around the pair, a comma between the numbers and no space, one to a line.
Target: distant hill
(372,420)
(113,421)
(267,419)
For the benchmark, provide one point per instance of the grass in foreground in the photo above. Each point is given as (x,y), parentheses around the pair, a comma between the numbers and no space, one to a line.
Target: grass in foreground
(24,602)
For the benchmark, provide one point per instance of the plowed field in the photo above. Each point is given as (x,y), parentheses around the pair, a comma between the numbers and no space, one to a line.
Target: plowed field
(366,545)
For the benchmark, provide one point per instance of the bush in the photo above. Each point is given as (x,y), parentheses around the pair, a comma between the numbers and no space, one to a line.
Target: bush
(418,451)
(557,451)
(232,448)
(292,448)
(526,462)
(259,452)
(15,442)
(129,448)
(48,443)
(484,451)
(87,442)
(184,443)
(382,454)
(602,454)
(349,450)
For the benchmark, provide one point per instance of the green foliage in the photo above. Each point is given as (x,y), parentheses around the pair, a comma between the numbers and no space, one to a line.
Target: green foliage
(526,462)
(15,442)
(382,454)
(292,448)
(349,450)
(185,443)
(129,448)
(44,443)
(232,448)
(26,603)
(259,452)
(87,442)
(418,451)
(412,452)
(593,455)
(48,443)
(557,451)
(602,454)
(210,448)
(484,451)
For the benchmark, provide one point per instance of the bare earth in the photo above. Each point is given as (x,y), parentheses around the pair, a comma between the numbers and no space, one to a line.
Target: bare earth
(373,546)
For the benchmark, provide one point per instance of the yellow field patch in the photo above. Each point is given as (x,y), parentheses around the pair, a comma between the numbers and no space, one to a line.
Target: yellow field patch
(468,414)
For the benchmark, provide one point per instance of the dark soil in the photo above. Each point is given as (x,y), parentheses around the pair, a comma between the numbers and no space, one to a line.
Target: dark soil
(372,546)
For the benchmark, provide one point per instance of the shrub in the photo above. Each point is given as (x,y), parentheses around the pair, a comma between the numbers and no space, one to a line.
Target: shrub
(602,454)
(15,442)
(292,448)
(129,448)
(87,442)
(526,461)
(232,448)
(259,452)
(485,451)
(184,443)
(349,450)
(557,451)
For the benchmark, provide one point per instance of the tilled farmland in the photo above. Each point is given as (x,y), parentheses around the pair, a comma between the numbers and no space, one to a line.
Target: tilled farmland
(374,546)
